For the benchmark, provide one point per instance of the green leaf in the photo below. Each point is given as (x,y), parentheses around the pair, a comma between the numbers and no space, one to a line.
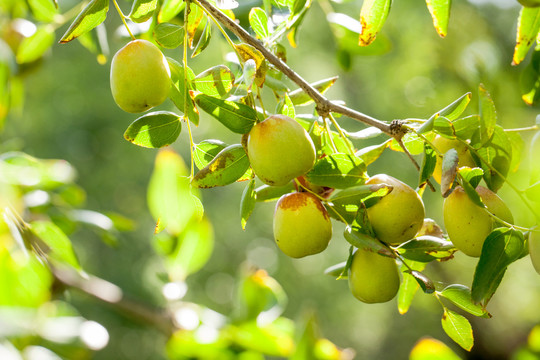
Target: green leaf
(472,194)
(90,17)
(169,9)
(472,175)
(409,286)
(260,294)
(338,171)
(205,151)
(337,270)
(460,295)
(347,202)
(172,201)
(300,97)
(154,130)
(488,115)
(247,52)
(465,127)
(237,117)
(502,247)
(247,203)
(449,166)
(271,193)
(259,22)
(168,35)
(227,167)
(440,12)
(360,240)
(57,245)
(195,17)
(364,134)
(193,250)
(371,153)
(33,47)
(286,107)
(178,94)
(450,112)
(429,162)
(458,329)
(202,39)
(528,27)
(142,10)
(426,248)
(425,283)
(216,81)
(372,17)
(413,143)
(43,10)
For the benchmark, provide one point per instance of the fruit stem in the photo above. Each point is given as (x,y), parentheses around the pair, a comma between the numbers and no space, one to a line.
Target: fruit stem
(123,17)
(341,133)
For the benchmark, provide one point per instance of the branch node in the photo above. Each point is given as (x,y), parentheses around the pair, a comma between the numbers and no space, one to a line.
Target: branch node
(397,130)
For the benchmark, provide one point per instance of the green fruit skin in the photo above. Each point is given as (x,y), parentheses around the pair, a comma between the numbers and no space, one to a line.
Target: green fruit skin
(302,226)
(534,249)
(530,3)
(140,77)
(467,224)
(443,145)
(280,150)
(373,278)
(398,216)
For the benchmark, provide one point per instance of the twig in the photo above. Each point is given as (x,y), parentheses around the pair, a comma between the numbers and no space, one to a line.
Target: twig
(323,105)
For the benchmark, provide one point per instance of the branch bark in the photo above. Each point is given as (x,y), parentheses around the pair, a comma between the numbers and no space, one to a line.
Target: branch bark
(323,105)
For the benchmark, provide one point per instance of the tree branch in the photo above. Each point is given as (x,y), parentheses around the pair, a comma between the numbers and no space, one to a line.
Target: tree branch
(323,105)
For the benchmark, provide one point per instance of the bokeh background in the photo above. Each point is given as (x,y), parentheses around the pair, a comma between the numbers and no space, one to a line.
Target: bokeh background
(69,114)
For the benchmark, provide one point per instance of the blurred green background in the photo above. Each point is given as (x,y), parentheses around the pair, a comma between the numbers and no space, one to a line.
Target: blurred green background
(69,114)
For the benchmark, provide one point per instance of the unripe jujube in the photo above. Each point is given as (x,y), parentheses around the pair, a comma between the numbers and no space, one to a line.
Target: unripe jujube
(398,216)
(467,224)
(373,278)
(280,150)
(140,77)
(301,225)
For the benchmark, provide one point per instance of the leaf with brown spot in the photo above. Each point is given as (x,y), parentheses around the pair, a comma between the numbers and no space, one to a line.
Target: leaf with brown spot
(227,167)
(527,31)
(440,12)
(372,17)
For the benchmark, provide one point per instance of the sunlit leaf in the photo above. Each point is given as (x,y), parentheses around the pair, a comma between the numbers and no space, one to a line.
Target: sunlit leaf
(460,295)
(181,81)
(142,10)
(409,286)
(169,9)
(227,167)
(216,81)
(528,27)
(338,171)
(271,193)
(247,52)
(363,241)
(91,16)
(488,115)
(426,248)
(371,153)
(247,202)
(372,17)
(202,40)
(299,97)
(429,162)
(458,329)
(205,151)
(56,245)
(169,35)
(440,12)
(259,22)
(33,47)
(43,10)
(425,283)
(195,17)
(154,130)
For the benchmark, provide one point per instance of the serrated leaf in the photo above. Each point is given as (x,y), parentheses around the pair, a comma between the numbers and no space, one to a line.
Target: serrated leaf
(449,167)
(142,10)
(172,201)
(371,153)
(227,167)
(425,283)
(247,203)
(409,286)
(216,81)
(178,95)
(57,245)
(259,22)
(168,35)
(502,247)
(460,295)
(205,151)
(488,115)
(237,117)
(91,16)
(372,17)
(300,97)
(169,9)
(527,31)
(338,171)
(429,161)
(33,47)
(361,240)
(440,12)
(426,248)
(458,329)
(154,130)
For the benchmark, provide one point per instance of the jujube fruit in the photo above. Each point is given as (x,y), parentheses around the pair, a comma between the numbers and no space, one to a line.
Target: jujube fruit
(398,216)
(467,224)
(443,145)
(280,150)
(373,278)
(140,77)
(534,249)
(301,225)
